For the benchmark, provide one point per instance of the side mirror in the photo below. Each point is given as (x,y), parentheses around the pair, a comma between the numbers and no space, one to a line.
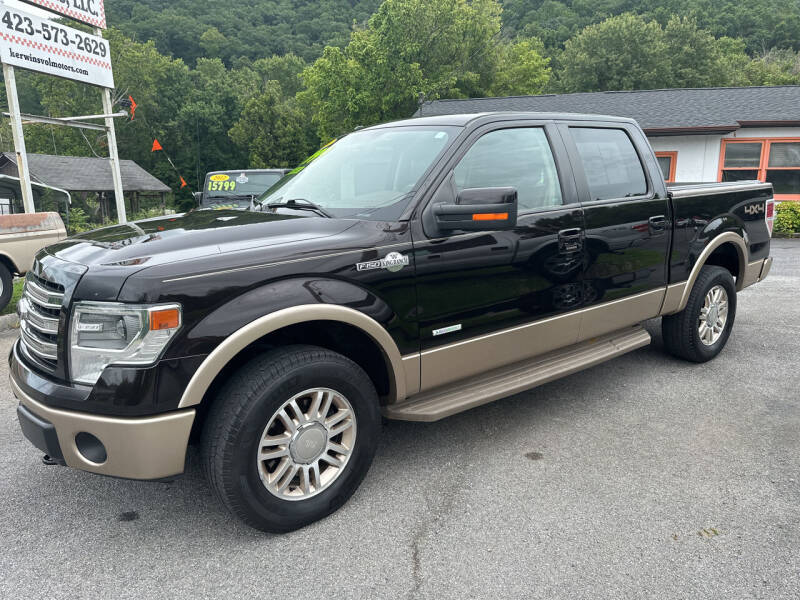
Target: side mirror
(479,209)
(198,197)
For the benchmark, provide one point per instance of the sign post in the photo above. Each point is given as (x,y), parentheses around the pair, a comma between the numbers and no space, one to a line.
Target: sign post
(113,154)
(19,138)
(37,44)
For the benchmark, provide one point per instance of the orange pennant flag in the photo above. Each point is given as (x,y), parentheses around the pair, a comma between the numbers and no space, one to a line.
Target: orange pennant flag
(156,146)
(183,183)
(133,107)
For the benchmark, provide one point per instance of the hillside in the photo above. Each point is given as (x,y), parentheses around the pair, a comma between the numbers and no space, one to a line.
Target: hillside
(255,28)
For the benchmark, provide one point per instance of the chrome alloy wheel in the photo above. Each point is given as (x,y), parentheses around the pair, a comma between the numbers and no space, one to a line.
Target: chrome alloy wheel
(306,444)
(713,315)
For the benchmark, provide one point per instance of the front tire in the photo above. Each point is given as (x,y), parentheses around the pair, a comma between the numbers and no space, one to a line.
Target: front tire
(700,331)
(290,437)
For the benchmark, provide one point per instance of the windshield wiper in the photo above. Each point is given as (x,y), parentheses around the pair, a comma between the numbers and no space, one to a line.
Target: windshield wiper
(232,197)
(301,204)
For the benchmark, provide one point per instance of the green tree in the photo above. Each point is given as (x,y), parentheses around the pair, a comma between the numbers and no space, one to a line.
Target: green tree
(627,52)
(621,53)
(285,70)
(522,70)
(413,48)
(213,43)
(774,67)
(274,132)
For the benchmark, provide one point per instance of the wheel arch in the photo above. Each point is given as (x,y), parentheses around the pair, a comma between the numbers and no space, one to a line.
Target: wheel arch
(283,320)
(8,262)
(720,251)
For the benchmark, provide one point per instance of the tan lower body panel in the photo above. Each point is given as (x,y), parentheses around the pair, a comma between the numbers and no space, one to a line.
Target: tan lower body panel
(469,393)
(754,272)
(411,373)
(766,269)
(672,301)
(140,448)
(454,362)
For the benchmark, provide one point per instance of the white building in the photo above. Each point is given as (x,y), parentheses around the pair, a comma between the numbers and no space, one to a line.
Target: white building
(699,135)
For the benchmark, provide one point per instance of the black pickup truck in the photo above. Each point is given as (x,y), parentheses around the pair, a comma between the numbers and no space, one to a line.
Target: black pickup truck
(412,270)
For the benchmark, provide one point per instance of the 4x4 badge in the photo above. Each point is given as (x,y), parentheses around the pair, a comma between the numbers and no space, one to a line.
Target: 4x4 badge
(393,262)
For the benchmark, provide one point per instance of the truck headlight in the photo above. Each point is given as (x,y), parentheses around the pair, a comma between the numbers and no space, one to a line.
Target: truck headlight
(106,333)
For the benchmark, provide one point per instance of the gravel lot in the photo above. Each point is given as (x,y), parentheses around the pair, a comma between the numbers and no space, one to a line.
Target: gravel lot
(645,477)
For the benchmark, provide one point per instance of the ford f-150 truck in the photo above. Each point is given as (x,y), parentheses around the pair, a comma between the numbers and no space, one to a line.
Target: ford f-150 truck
(413,270)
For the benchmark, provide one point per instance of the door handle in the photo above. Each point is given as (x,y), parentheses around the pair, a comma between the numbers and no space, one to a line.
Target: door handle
(570,240)
(658,223)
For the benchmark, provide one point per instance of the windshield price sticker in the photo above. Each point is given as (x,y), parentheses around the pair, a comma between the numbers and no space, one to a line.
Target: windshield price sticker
(86,11)
(221,186)
(28,42)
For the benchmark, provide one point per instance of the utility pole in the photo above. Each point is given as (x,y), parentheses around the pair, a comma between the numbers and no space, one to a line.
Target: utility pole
(19,138)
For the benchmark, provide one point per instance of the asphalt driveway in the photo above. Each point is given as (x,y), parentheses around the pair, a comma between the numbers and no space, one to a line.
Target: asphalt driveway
(646,477)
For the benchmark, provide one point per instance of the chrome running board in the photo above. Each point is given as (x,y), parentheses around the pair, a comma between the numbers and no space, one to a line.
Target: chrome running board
(466,394)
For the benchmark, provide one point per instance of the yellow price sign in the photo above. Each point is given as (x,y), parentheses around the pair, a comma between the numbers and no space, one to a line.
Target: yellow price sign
(221,186)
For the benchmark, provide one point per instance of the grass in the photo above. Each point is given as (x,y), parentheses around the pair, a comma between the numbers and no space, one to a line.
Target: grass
(12,306)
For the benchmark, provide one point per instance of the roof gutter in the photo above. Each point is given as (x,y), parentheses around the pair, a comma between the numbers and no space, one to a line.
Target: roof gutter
(709,130)
(41,185)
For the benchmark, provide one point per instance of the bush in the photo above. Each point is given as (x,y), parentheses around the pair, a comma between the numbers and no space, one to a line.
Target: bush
(147,213)
(787,217)
(79,221)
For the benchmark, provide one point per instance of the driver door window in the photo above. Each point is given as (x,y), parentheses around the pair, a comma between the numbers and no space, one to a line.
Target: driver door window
(520,158)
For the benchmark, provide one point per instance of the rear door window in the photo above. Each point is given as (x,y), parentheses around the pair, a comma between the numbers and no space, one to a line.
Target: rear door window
(610,162)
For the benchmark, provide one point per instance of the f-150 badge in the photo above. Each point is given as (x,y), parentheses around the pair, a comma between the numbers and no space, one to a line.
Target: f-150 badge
(393,262)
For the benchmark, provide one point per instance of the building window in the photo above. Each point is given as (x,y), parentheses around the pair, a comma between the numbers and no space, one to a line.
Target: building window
(774,160)
(668,161)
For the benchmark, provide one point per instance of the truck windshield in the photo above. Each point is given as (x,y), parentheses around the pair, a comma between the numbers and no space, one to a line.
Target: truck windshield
(235,189)
(368,174)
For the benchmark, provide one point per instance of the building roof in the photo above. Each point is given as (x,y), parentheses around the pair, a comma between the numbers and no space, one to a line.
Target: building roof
(673,111)
(82,174)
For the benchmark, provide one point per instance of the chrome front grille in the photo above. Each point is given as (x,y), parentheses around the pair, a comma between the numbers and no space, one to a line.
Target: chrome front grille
(39,312)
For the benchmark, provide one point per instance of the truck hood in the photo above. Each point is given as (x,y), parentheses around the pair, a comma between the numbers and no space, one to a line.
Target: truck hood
(190,236)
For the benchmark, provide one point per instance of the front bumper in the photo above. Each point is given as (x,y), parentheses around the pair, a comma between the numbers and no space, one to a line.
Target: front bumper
(134,448)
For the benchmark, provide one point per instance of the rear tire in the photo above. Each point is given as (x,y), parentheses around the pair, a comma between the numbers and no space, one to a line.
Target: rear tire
(6,286)
(691,334)
(270,453)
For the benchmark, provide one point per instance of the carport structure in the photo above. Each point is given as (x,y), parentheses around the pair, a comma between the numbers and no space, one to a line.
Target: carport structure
(76,175)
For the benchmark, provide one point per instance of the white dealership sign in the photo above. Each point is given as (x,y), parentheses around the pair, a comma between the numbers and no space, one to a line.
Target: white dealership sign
(87,11)
(40,45)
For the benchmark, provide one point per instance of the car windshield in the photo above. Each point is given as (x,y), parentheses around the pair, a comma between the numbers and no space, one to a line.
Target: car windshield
(236,188)
(368,174)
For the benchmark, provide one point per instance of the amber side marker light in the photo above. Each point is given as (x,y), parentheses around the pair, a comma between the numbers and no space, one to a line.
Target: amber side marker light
(490,217)
(169,318)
